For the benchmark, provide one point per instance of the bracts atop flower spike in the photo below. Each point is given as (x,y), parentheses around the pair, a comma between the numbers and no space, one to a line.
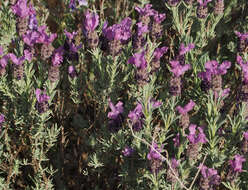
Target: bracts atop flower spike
(135,117)
(117,35)
(242,41)
(115,116)
(70,46)
(155,158)
(42,101)
(212,76)
(142,75)
(156,27)
(182,52)
(22,11)
(235,167)
(18,67)
(196,137)
(145,13)
(202,9)
(171,174)
(57,59)
(173,3)
(139,39)
(243,93)
(175,83)
(245,142)
(209,178)
(157,54)
(184,119)
(91,21)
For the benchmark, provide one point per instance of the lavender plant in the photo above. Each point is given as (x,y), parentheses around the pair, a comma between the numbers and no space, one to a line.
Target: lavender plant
(123,94)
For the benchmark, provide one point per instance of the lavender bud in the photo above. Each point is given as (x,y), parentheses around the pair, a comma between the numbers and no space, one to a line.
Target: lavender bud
(202,11)
(219,7)
(189,2)
(184,121)
(173,3)
(216,83)
(53,73)
(72,71)
(115,47)
(192,151)
(175,86)
(245,146)
(42,101)
(22,25)
(92,39)
(156,31)
(204,183)
(18,71)
(171,175)
(46,50)
(142,76)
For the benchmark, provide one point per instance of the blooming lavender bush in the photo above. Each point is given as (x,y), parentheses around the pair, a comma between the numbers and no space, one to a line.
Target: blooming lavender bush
(124,94)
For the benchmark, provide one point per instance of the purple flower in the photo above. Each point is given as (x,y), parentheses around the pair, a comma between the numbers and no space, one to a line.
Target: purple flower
(44,38)
(142,28)
(214,68)
(225,92)
(2,119)
(155,104)
(236,164)
(28,55)
(32,23)
(21,9)
(244,67)
(57,58)
(188,107)
(246,135)
(4,61)
(41,96)
(31,37)
(120,31)
(69,35)
(154,155)
(203,2)
(194,136)
(1,50)
(138,59)
(72,4)
(183,50)
(136,117)
(176,140)
(146,11)
(127,151)
(91,21)
(115,116)
(72,71)
(242,36)
(174,163)
(15,60)
(158,18)
(159,52)
(42,100)
(179,69)
(210,174)
(116,110)
(83,2)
